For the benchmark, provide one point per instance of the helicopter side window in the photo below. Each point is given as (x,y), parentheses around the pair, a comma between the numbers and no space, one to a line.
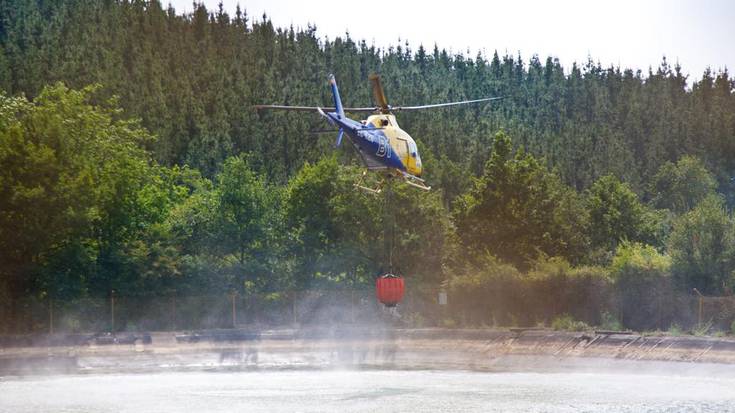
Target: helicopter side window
(384,122)
(412,149)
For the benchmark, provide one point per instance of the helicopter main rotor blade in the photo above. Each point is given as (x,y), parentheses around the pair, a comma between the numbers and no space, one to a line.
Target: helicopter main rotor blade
(441,105)
(310,108)
(379,94)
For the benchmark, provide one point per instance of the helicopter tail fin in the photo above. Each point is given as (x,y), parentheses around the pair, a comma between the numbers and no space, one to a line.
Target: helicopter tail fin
(337,100)
(339,138)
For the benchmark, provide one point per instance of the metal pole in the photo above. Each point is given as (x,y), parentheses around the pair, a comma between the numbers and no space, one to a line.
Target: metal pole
(173,312)
(699,318)
(700,311)
(234,316)
(51,315)
(658,309)
(352,305)
(112,310)
(293,307)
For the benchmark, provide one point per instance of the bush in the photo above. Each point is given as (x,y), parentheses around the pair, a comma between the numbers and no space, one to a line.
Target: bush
(702,330)
(644,284)
(554,287)
(675,330)
(484,292)
(640,257)
(610,322)
(565,322)
(732,327)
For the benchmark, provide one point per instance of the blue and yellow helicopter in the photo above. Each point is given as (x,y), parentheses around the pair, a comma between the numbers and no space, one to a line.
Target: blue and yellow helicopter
(380,142)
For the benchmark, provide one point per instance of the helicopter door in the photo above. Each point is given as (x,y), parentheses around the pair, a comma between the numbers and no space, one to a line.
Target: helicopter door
(403,152)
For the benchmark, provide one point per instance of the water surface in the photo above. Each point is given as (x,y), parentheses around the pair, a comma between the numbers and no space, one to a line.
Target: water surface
(366,391)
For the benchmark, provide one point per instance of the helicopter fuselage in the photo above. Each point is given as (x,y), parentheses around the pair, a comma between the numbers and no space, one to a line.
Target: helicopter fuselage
(381,143)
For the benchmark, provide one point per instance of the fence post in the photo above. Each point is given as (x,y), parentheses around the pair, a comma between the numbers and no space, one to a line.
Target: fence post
(234,309)
(659,309)
(293,308)
(50,315)
(352,305)
(112,311)
(173,312)
(699,317)
(619,300)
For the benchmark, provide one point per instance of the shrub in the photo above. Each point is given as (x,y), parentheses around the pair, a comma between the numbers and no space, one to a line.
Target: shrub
(554,287)
(644,285)
(675,330)
(610,322)
(565,322)
(486,291)
(641,257)
(703,329)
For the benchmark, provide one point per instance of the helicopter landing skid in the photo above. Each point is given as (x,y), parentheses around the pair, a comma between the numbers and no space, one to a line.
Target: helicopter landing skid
(412,180)
(415,181)
(374,191)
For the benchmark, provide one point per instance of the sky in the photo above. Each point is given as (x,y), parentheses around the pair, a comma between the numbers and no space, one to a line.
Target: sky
(625,33)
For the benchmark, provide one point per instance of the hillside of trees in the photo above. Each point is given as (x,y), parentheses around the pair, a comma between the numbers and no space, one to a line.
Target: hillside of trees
(130,160)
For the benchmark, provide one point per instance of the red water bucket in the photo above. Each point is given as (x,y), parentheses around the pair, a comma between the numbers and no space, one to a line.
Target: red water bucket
(389,288)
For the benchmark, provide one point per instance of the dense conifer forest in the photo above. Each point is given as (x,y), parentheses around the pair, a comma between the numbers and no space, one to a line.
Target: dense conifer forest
(130,159)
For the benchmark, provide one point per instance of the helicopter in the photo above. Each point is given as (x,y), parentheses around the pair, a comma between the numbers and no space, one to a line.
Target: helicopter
(379,141)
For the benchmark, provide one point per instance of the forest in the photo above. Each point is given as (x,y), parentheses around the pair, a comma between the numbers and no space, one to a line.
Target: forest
(131,160)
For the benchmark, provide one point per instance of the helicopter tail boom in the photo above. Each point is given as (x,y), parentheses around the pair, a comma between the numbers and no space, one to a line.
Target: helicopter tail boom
(335,124)
(337,101)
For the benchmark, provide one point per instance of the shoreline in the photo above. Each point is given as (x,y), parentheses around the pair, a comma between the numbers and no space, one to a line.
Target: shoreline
(375,348)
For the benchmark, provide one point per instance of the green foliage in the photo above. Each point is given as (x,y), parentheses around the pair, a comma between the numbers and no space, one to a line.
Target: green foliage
(617,215)
(566,322)
(483,276)
(80,195)
(191,77)
(554,287)
(610,322)
(483,289)
(243,211)
(490,291)
(338,232)
(702,330)
(639,257)
(680,186)
(230,231)
(519,209)
(199,194)
(330,224)
(675,330)
(643,283)
(702,248)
